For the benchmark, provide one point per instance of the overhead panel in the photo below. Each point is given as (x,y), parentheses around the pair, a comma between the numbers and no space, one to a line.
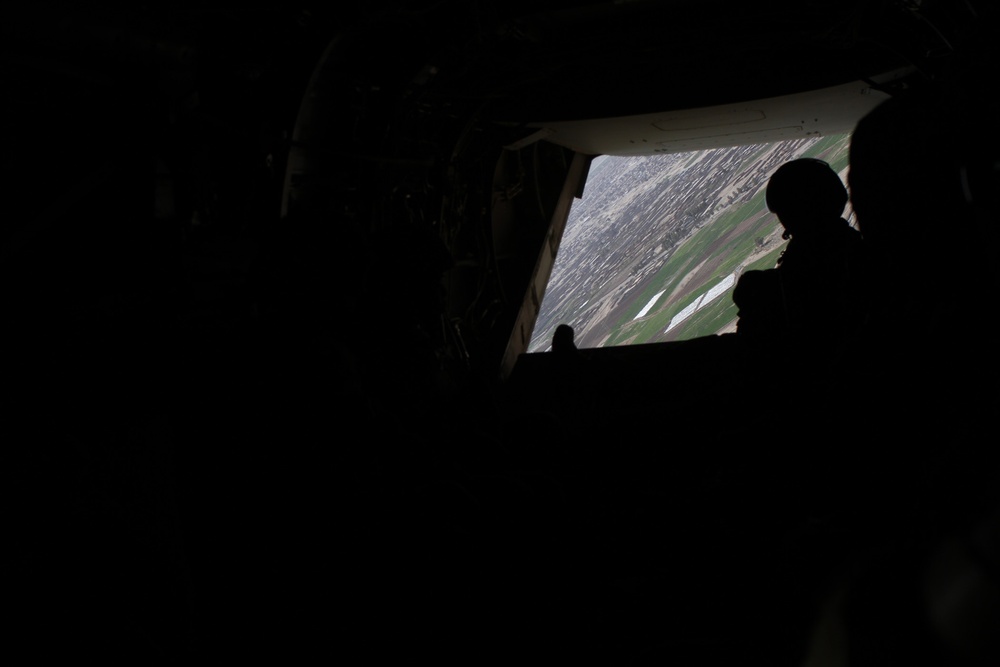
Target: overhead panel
(833,110)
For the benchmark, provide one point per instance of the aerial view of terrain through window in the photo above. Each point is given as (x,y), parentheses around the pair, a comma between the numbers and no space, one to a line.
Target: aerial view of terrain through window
(652,250)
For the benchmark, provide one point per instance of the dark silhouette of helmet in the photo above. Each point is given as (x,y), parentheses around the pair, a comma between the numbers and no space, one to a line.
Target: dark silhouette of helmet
(803,189)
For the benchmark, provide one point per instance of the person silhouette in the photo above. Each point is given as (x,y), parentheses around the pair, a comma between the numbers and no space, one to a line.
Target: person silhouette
(813,294)
(562,340)
(920,376)
(909,178)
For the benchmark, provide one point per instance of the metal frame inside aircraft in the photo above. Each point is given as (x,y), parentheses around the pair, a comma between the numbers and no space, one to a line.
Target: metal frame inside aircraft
(271,272)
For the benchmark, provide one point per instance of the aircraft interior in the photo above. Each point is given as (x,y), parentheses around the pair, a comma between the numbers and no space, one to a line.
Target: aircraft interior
(271,270)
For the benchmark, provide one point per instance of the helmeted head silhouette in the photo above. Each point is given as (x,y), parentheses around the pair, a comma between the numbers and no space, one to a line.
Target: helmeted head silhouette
(906,174)
(805,189)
